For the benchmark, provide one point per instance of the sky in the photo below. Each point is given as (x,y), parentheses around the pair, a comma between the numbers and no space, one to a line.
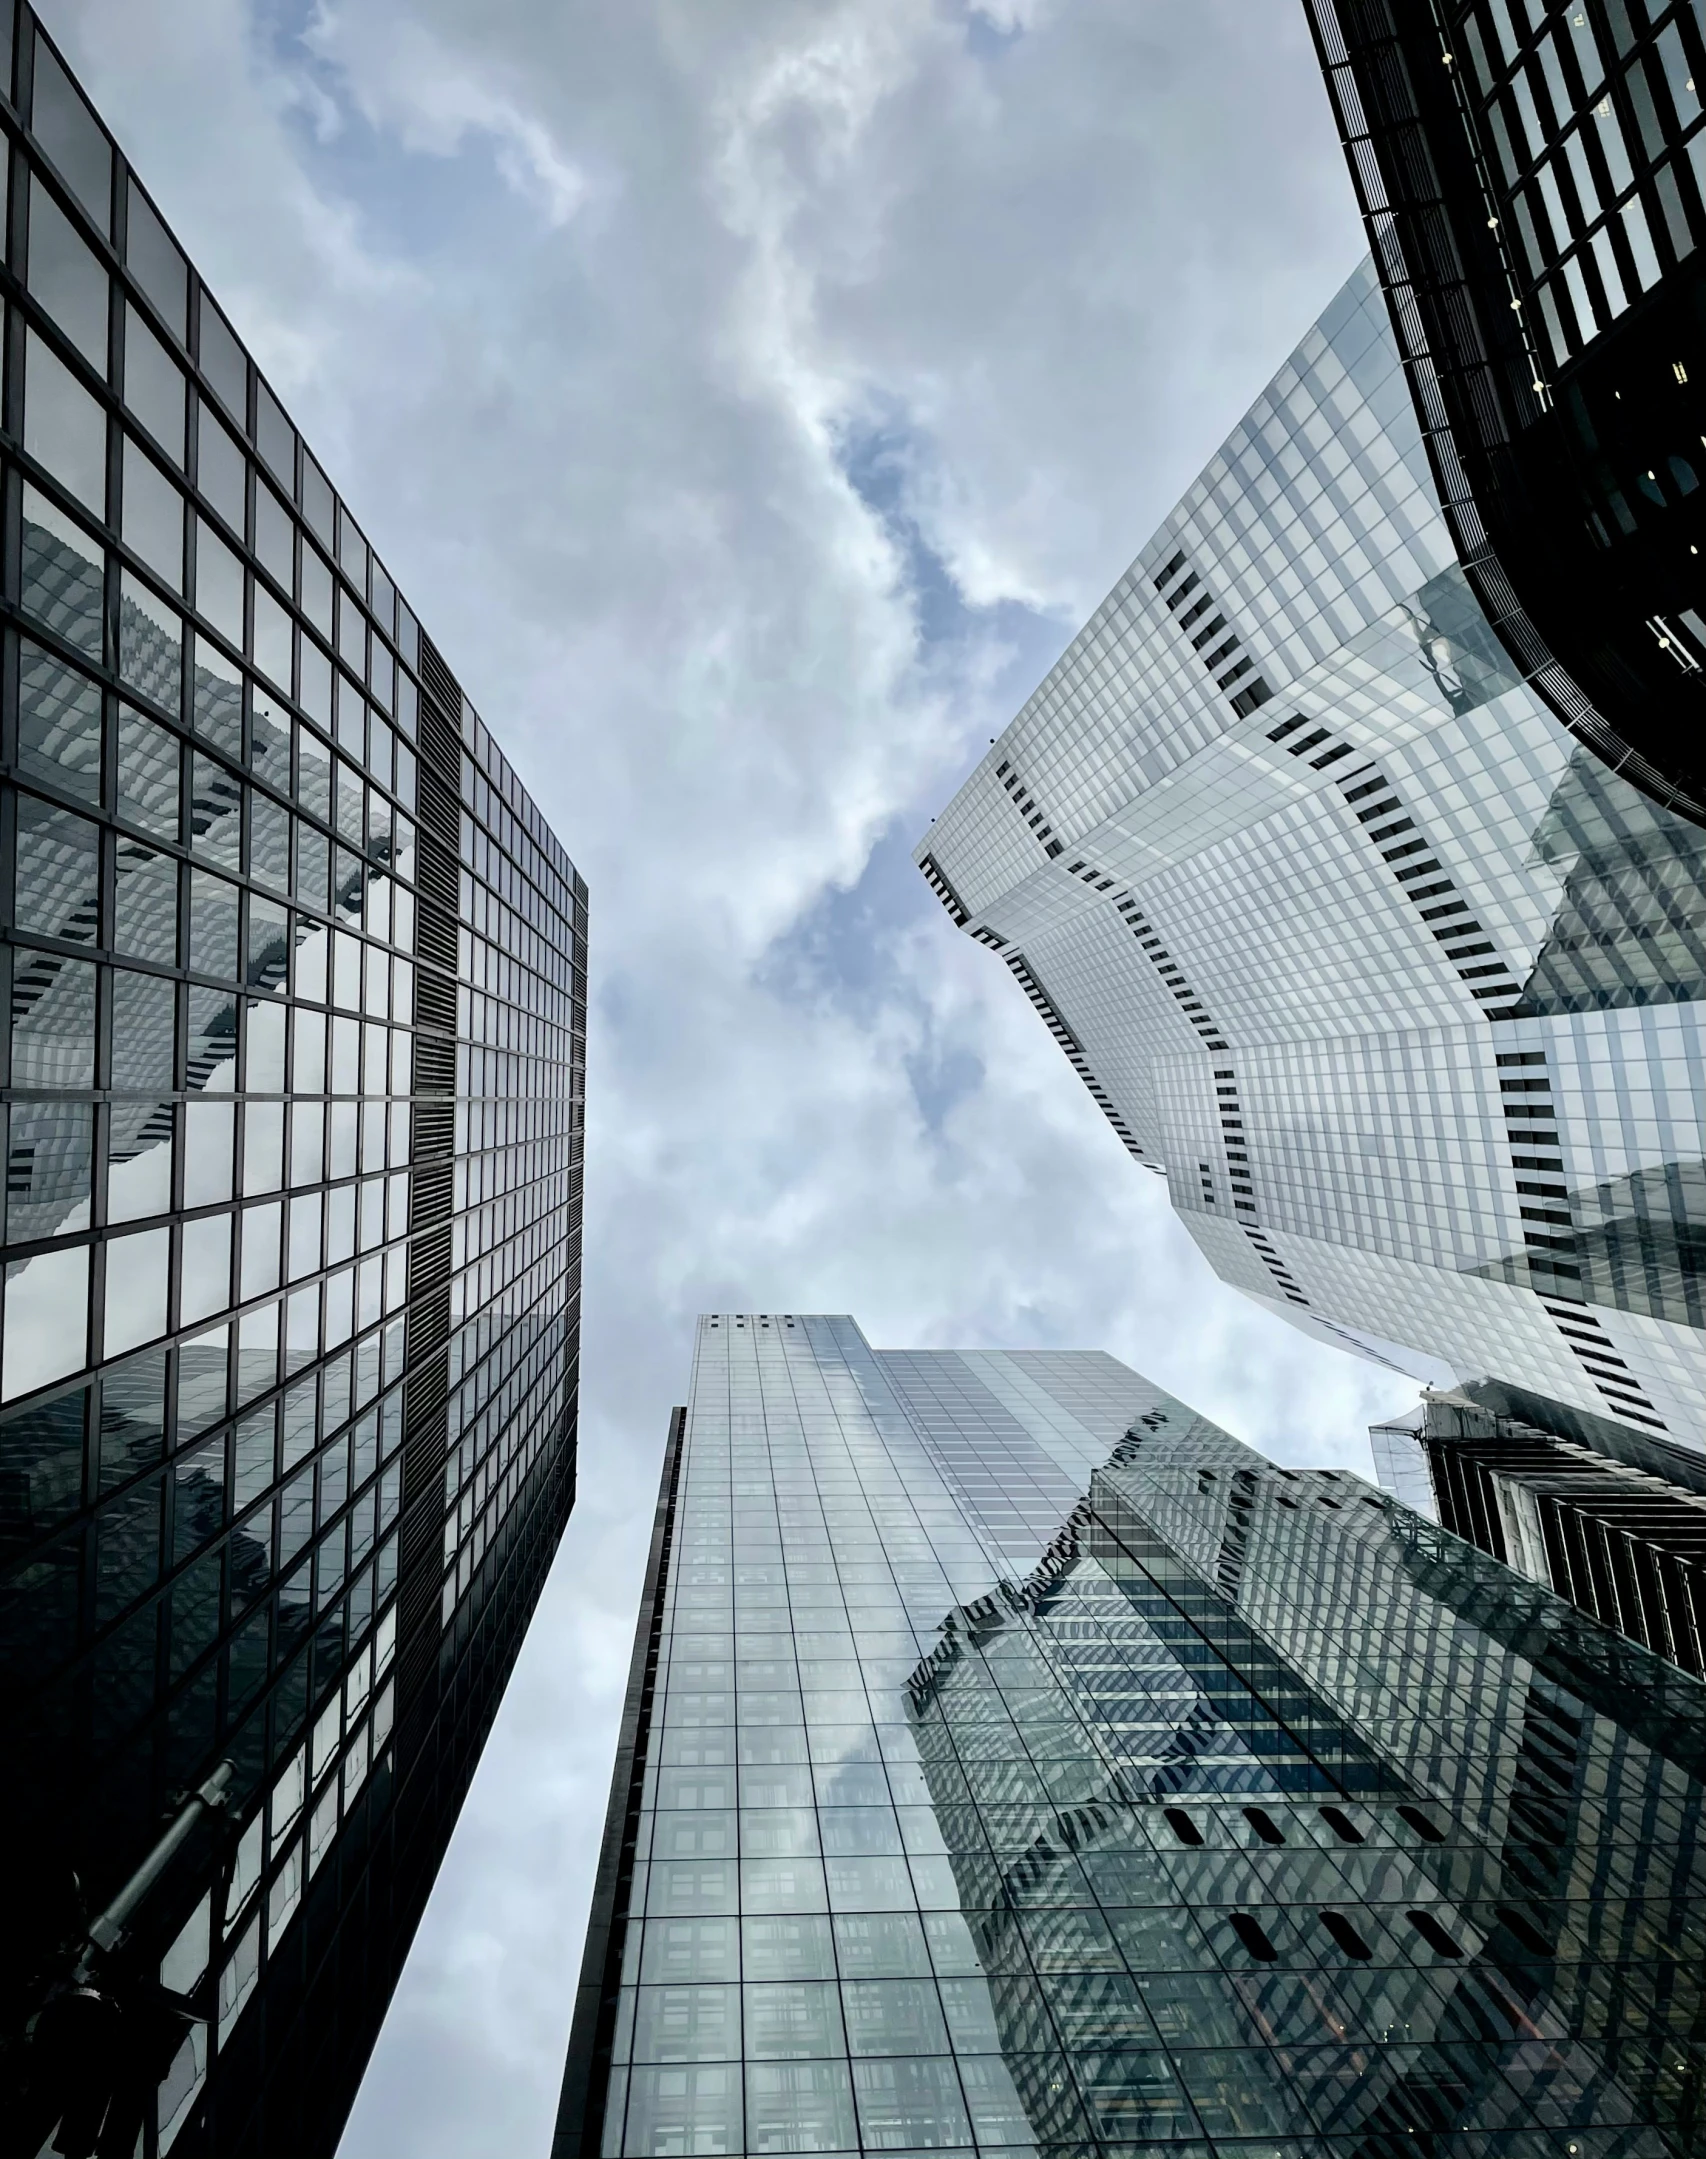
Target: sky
(752,397)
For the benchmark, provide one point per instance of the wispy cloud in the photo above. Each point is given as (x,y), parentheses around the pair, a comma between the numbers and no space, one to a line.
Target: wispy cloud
(436,101)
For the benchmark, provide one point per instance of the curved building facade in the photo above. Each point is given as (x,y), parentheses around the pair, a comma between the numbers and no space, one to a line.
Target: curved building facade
(1531,177)
(1399,985)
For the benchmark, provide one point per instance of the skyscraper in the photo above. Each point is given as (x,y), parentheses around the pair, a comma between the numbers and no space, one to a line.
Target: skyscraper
(1014,1761)
(1533,179)
(1394,979)
(288,1354)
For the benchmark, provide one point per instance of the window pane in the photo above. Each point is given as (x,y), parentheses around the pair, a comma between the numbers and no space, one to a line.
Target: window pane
(49,1160)
(317,591)
(213,925)
(138,1273)
(272,639)
(219,584)
(317,500)
(222,361)
(59,723)
(53,1021)
(153,522)
(46,1331)
(58,872)
(144,1031)
(275,538)
(153,260)
(67,279)
(70,134)
(150,644)
(61,576)
(275,438)
(64,428)
(149,756)
(221,469)
(145,916)
(153,386)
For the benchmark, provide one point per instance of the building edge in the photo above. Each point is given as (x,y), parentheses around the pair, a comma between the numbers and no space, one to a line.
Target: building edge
(586,2074)
(1397,116)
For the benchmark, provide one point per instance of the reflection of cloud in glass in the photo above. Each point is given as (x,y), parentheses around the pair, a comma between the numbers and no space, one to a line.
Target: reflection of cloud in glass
(138,1273)
(47,1303)
(49,1166)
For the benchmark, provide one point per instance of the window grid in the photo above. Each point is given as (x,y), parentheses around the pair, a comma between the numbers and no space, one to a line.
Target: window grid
(211,775)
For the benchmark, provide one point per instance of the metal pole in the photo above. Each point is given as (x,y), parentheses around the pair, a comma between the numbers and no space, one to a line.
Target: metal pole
(108,1929)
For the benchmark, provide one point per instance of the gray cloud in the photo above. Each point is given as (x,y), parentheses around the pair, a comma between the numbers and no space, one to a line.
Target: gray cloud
(751,395)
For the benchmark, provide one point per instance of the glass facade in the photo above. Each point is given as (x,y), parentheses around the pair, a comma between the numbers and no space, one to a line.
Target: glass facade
(1350,938)
(1623,1538)
(294,1057)
(1014,1761)
(1533,179)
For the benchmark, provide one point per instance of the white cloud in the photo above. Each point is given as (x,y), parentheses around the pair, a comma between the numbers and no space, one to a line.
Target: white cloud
(587,309)
(408,85)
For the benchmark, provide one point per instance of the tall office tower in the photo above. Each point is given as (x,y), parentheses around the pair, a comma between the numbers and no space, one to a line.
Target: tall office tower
(1398,983)
(1533,178)
(292,1211)
(1012,1760)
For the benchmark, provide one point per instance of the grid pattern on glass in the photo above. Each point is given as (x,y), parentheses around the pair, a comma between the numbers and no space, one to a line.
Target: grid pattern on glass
(796,1973)
(1590,126)
(520,1078)
(1253,1814)
(1272,941)
(221,726)
(1624,1544)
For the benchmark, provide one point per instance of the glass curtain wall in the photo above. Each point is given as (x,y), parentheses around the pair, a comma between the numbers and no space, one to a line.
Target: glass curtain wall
(1017,1762)
(293,1077)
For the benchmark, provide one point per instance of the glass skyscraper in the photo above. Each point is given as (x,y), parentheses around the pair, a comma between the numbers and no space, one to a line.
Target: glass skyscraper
(1012,1761)
(293,1109)
(1399,985)
(1533,179)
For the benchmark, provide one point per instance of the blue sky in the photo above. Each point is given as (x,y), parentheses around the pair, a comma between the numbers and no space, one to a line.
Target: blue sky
(752,396)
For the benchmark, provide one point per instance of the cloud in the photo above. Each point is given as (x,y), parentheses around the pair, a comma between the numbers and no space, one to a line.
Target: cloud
(751,395)
(408,86)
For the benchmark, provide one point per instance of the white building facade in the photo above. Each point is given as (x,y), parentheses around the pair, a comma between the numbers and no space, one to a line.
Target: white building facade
(1399,986)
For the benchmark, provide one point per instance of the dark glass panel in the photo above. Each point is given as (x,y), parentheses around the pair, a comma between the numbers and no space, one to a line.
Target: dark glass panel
(153,260)
(68,131)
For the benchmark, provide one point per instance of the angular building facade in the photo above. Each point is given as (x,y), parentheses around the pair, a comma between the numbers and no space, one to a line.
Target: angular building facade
(1623,1543)
(1395,980)
(294,1090)
(1533,179)
(1013,1761)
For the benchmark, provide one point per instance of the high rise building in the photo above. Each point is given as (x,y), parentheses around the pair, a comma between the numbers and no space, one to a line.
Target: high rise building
(1394,979)
(1013,1761)
(1533,178)
(294,1091)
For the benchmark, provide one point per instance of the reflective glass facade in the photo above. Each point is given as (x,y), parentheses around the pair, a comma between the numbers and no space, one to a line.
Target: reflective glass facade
(1350,938)
(1621,1538)
(1533,179)
(1014,1761)
(294,1056)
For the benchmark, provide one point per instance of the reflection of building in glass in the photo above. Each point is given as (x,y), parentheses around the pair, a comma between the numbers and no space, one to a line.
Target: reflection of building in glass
(1227,1807)
(1592,1518)
(1533,180)
(294,1057)
(1394,980)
